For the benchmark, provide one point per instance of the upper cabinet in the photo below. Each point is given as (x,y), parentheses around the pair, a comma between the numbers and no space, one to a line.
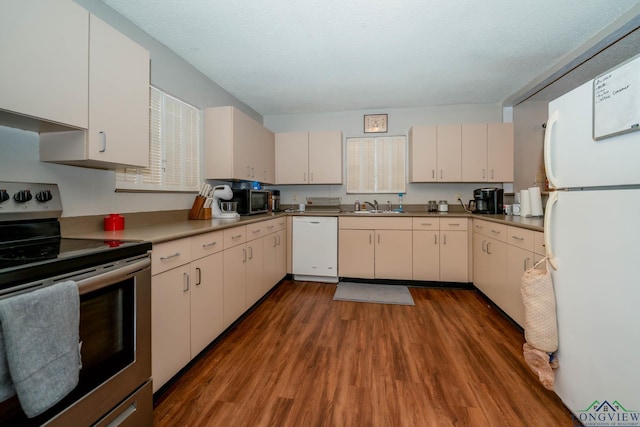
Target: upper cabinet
(461,153)
(118,132)
(44,77)
(237,147)
(487,152)
(500,152)
(309,157)
(434,153)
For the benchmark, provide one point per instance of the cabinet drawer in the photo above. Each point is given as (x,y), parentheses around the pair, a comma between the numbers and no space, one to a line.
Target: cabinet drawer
(490,229)
(521,238)
(206,244)
(273,225)
(257,230)
(235,236)
(377,223)
(538,243)
(427,223)
(168,255)
(453,224)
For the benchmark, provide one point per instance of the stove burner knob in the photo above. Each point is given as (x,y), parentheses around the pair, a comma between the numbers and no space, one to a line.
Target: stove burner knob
(22,196)
(44,196)
(4,196)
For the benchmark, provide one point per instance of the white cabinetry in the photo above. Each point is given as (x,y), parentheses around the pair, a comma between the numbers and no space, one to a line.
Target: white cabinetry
(501,256)
(45,67)
(186,301)
(118,99)
(237,147)
(487,152)
(440,249)
(434,153)
(309,157)
(375,248)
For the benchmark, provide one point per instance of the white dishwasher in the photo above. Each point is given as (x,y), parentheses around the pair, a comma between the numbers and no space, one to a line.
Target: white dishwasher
(315,248)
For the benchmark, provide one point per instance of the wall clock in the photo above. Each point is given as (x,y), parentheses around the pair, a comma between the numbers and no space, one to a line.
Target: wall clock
(375,123)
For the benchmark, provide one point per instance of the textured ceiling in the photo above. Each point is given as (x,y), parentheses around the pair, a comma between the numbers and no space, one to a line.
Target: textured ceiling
(295,56)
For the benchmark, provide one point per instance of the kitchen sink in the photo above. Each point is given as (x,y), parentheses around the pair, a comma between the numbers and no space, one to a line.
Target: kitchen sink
(374,212)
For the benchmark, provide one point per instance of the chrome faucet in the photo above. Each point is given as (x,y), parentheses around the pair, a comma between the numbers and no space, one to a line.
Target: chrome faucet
(374,205)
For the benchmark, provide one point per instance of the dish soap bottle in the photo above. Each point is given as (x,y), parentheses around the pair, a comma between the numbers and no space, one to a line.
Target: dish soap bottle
(399,202)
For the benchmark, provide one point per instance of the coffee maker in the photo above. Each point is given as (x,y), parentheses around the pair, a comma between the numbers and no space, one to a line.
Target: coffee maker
(488,200)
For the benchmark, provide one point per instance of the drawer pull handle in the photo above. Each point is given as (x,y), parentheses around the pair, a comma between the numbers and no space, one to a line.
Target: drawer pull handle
(185,287)
(162,258)
(257,231)
(270,226)
(454,224)
(518,238)
(426,224)
(495,231)
(488,244)
(206,245)
(237,236)
(479,227)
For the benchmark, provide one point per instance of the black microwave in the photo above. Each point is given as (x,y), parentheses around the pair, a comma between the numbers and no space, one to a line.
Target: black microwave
(251,201)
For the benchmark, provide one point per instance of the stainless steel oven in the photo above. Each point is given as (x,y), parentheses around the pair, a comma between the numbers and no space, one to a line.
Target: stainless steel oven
(114,286)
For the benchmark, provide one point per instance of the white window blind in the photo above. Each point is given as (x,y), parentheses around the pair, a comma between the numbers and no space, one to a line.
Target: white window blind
(174,148)
(376,165)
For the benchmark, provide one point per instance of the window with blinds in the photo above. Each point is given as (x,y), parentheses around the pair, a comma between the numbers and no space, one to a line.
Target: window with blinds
(174,148)
(376,165)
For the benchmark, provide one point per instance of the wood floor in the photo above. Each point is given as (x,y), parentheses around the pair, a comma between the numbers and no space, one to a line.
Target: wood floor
(302,359)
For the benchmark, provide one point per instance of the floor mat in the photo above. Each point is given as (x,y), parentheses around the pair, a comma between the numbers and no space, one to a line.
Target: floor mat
(366,292)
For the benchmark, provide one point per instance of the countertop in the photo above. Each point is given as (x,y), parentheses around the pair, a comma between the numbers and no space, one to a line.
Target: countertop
(177,229)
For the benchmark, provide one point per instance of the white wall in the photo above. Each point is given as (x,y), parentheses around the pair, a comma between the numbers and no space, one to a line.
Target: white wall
(400,121)
(528,144)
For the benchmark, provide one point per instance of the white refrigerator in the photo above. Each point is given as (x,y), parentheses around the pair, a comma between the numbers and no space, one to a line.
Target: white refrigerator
(592,235)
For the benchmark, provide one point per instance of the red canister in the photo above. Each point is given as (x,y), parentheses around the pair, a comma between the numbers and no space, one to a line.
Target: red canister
(113,222)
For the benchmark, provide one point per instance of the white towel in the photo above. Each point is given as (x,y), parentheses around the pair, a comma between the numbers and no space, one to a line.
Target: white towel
(525,203)
(535,199)
(41,333)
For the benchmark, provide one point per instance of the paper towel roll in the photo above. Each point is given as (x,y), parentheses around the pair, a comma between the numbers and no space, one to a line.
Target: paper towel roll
(535,200)
(525,203)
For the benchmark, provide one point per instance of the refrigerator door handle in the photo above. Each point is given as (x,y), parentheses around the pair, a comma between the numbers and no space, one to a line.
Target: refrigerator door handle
(553,119)
(553,198)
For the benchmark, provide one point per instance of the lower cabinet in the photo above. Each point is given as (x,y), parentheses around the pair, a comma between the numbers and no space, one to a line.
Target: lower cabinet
(378,248)
(202,284)
(186,302)
(501,256)
(441,249)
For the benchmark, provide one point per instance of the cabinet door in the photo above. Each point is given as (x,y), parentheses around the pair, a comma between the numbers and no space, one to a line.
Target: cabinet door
(422,154)
(292,158)
(281,257)
(325,157)
(497,271)
(500,152)
(356,253)
(265,156)
(206,301)
(474,152)
(170,317)
(449,141)
(45,65)
(393,254)
(235,283)
(454,256)
(480,262)
(426,255)
(255,277)
(518,261)
(118,98)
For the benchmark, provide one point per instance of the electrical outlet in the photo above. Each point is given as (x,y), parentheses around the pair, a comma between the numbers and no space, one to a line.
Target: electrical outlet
(458,197)
(295,198)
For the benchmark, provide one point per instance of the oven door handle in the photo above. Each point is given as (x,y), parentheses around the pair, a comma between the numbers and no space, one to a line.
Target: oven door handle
(100,281)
